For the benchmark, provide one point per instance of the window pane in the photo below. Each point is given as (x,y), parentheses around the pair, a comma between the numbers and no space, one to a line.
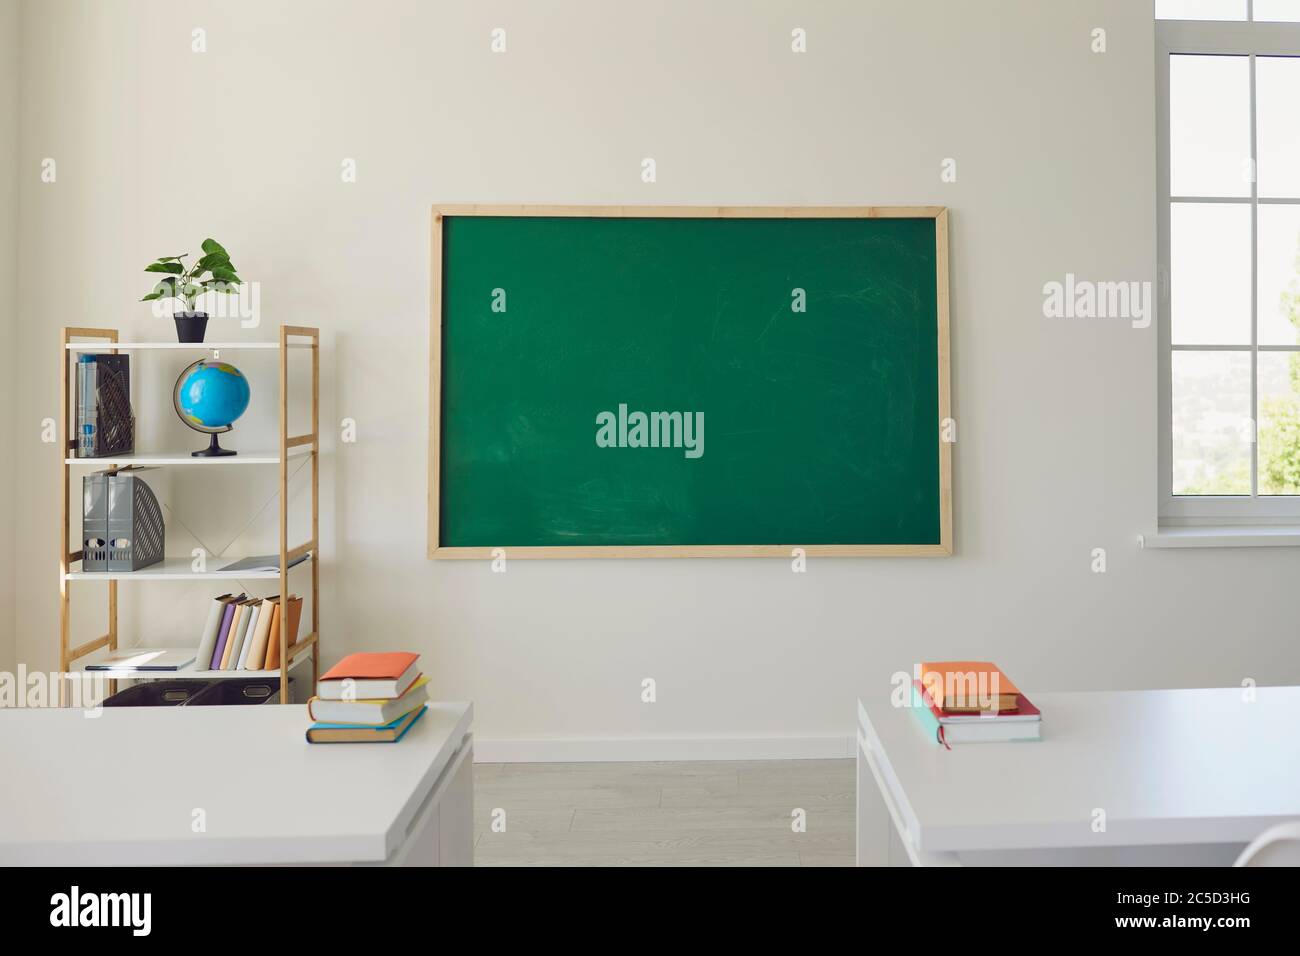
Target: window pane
(1279,275)
(1211,403)
(1279,423)
(1276,10)
(1209,126)
(1209,273)
(1277,125)
(1201,9)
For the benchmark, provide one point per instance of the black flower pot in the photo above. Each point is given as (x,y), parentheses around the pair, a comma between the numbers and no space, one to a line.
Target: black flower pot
(190,326)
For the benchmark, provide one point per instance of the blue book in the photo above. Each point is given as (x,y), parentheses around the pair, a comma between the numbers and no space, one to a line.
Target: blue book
(388,733)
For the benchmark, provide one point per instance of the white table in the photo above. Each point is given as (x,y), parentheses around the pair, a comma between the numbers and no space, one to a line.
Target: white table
(1181,776)
(230,785)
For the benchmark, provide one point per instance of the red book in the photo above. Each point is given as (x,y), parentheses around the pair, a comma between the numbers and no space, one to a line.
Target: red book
(966,727)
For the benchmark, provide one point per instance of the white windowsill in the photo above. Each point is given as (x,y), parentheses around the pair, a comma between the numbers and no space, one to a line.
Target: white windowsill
(1223,536)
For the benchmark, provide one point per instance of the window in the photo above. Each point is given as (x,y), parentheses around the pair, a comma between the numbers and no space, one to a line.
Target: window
(1228,80)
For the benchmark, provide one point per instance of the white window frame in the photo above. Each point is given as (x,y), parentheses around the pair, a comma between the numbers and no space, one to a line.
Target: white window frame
(1228,38)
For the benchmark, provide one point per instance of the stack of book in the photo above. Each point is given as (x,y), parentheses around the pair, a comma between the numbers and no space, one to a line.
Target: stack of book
(243,633)
(961,702)
(368,698)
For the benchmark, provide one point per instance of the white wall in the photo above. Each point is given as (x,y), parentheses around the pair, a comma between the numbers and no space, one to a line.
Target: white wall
(9,72)
(1057,420)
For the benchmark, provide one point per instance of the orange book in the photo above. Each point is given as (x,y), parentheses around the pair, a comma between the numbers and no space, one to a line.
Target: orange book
(272,661)
(957,686)
(369,676)
(371,666)
(295,616)
(286,615)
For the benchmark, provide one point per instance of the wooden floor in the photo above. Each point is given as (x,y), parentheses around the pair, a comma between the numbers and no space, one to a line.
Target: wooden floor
(723,813)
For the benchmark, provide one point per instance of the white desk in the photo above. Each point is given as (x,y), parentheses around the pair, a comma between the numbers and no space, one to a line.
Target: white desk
(1183,777)
(127,787)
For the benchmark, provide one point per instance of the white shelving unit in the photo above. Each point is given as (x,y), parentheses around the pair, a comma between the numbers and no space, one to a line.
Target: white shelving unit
(74,659)
(175,569)
(186,346)
(264,457)
(188,673)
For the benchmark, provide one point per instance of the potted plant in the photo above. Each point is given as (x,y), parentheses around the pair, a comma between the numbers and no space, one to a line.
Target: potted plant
(185,285)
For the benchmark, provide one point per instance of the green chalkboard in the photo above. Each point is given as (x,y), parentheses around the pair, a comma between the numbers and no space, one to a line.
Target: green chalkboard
(692,382)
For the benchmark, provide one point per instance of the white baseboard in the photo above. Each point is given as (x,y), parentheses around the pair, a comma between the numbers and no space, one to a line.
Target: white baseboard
(622,749)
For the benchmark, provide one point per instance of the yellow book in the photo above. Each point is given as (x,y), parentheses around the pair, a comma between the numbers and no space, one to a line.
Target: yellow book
(257,650)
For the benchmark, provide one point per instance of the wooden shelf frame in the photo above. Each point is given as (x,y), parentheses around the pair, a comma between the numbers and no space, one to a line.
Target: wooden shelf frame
(290,337)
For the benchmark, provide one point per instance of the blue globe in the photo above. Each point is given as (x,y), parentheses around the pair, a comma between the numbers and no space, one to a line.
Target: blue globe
(211,396)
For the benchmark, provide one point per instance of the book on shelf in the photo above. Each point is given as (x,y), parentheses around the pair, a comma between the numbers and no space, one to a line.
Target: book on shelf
(160,659)
(323,733)
(223,634)
(243,633)
(256,655)
(287,615)
(211,628)
(243,617)
(365,676)
(240,661)
(262,562)
(237,621)
(373,712)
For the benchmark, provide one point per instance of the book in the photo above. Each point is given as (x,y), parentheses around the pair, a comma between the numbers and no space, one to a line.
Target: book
(261,562)
(287,615)
(144,659)
(1022,723)
(366,676)
(236,621)
(244,617)
(295,619)
(211,627)
(256,655)
(968,686)
(375,712)
(359,734)
(215,663)
(272,659)
(238,664)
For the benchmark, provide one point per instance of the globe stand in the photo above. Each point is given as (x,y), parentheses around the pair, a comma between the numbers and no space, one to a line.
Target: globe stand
(213,450)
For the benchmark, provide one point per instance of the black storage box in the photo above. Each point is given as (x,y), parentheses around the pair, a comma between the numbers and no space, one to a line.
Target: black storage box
(158,693)
(251,690)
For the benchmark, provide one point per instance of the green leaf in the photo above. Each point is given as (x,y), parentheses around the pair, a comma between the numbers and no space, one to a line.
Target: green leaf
(175,268)
(213,260)
(151,296)
(173,258)
(211,245)
(225,275)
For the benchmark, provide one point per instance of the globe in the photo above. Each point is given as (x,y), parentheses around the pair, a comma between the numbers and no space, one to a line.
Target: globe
(209,397)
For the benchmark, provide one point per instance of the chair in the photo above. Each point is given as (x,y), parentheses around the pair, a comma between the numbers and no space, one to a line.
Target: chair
(1276,846)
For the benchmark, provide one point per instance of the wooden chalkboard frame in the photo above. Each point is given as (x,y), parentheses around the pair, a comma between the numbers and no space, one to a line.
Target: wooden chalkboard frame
(940,216)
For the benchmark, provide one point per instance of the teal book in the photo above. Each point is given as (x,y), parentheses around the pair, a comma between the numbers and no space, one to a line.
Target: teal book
(929,721)
(389,733)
